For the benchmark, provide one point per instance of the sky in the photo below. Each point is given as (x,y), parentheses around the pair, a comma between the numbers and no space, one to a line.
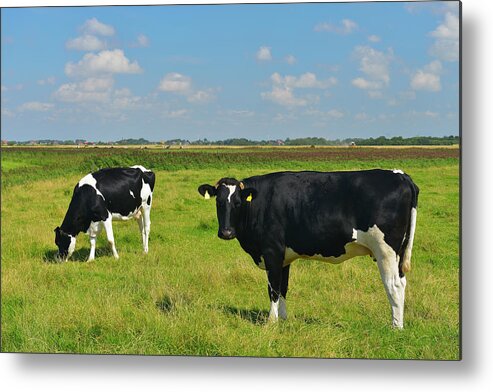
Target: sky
(264,71)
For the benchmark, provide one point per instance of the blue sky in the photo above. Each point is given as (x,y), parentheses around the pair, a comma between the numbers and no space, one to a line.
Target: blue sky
(339,70)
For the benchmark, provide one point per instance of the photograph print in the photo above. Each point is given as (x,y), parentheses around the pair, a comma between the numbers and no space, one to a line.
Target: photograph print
(232,180)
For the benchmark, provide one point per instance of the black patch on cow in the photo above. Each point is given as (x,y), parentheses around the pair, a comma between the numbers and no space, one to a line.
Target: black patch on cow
(149,201)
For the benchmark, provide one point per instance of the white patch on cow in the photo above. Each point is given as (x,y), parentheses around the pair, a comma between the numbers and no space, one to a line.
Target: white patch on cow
(406,263)
(120,217)
(145,192)
(387,262)
(274,311)
(131,193)
(397,171)
(71,247)
(352,249)
(142,168)
(232,189)
(91,181)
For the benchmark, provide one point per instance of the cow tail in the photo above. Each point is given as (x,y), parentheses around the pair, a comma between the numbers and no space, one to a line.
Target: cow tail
(407,247)
(149,178)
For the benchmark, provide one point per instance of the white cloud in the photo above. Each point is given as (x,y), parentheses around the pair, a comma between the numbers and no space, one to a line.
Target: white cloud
(306,80)
(200,96)
(346,26)
(426,81)
(94,26)
(104,62)
(290,59)
(36,106)
(428,78)
(264,54)
(446,45)
(123,99)
(176,113)
(429,113)
(142,40)
(282,91)
(426,113)
(239,113)
(85,42)
(446,50)
(373,38)
(366,84)
(283,96)
(374,63)
(335,113)
(175,83)
(88,90)
(449,29)
(49,80)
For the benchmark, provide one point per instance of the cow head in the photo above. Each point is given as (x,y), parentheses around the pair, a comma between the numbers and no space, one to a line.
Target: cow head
(65,243)
(231,195)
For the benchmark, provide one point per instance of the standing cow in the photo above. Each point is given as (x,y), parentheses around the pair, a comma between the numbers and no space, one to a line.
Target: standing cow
(101,197)
(334,216)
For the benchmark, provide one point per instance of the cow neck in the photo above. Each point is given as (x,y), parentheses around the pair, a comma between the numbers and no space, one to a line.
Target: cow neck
(72,223)
(244,220)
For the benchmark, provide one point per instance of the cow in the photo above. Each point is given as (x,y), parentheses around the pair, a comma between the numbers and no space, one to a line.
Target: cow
(101,197)
(329,216)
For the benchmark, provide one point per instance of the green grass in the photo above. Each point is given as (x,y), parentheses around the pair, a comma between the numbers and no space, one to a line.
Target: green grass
(194,294)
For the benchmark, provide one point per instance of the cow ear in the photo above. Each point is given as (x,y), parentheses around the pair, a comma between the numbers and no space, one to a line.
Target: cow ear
(248,194)
(207,191)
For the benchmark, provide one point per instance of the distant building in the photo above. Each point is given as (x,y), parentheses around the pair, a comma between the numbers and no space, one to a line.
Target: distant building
(352,144)
(280,142)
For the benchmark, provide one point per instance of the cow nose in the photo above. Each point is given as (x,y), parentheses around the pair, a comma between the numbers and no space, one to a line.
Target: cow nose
(226,234)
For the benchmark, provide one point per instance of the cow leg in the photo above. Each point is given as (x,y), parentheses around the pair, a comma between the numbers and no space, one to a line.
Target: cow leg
(147,225)
(284,290)
(94,230)
(274,276)
(140,221)
(395,287)
(108,227)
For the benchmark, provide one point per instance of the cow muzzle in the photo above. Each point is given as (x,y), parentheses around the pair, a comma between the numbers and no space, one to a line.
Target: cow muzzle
(226,234)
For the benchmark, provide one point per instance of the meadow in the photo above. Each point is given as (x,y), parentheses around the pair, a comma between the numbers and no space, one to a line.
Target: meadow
(195,294)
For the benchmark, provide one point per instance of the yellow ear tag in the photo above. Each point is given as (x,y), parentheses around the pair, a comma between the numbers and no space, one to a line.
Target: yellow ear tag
(249,198)
(206,195)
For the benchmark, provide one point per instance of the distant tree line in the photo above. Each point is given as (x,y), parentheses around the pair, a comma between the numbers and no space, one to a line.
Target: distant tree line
(305,141)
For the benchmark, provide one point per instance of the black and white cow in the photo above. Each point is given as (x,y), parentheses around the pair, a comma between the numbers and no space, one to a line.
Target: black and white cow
(101,197)
(333,216)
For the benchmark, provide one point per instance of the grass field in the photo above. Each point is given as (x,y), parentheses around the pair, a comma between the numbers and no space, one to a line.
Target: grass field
(194,294)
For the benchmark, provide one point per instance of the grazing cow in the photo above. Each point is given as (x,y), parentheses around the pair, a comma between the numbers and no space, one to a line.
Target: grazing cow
(334,216)
(101,197)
